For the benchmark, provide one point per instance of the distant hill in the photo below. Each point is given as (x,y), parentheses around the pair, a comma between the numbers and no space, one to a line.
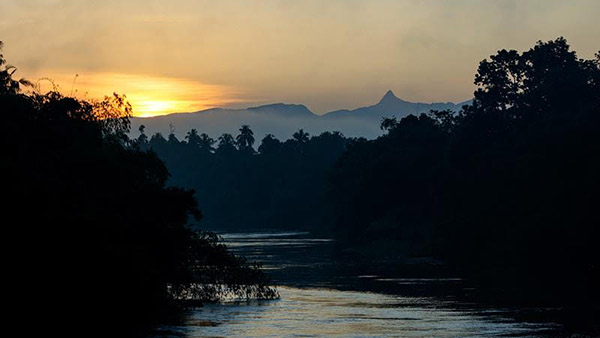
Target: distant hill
(282,120)
(282,109)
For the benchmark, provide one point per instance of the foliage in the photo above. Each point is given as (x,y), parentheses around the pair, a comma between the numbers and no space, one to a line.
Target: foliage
(245,139)
(280,186)
(94,227)
(502,191)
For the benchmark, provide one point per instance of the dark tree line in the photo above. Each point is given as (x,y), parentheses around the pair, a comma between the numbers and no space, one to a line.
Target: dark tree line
(277,185)
(504,191)
(93,237)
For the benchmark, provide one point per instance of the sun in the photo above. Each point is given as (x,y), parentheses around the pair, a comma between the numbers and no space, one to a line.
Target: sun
(157,106)
(147,108)
(148,95)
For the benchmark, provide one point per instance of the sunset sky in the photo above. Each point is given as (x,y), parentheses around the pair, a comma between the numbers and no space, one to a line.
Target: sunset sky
(187,55)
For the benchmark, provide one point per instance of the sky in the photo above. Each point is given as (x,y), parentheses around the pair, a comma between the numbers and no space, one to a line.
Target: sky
(188,55)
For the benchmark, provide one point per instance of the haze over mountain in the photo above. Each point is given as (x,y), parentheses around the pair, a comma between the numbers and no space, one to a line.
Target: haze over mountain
(282,120)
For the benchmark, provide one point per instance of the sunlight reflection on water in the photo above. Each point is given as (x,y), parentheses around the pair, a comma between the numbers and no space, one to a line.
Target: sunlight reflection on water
(313,305)
(333,313)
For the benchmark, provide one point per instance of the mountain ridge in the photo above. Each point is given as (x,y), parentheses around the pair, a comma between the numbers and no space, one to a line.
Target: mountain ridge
(390,105)
(283,119)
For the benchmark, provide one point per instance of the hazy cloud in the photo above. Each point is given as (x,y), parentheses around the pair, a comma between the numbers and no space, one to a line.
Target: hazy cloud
(327,54)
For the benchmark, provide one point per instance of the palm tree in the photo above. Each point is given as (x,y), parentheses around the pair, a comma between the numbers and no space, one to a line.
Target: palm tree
(245,139)
(300,136)
(226,143)
(205,143)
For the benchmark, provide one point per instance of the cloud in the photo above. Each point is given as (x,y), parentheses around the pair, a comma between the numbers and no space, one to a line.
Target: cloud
(328,54)
(149,95)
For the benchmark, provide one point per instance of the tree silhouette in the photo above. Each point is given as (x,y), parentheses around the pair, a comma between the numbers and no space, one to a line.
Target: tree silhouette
(95,217)
(157,141)
(245,139)
(142,139)
(205,143)
(300,136)
(226,144)
(172,138)
(8,85)
(192,138)
(269,144)
(501,192)
(272,188)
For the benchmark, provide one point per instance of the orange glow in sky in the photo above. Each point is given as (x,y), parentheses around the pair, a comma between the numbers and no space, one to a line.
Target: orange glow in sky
(186,55)
(148,95)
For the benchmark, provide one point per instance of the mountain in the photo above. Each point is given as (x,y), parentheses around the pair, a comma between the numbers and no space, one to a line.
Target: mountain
(390,105)
(279,119)
(282,120)
(282,109)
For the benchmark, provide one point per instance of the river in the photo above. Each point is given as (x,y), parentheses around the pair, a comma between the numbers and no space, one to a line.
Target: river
(325,296)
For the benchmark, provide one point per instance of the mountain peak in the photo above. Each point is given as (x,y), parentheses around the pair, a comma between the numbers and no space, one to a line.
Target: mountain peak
(389,97)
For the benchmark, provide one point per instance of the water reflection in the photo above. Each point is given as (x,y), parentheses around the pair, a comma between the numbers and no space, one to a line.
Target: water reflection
(332,313)
(319,308)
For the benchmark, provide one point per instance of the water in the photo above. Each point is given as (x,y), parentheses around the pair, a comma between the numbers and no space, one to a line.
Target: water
(324,295)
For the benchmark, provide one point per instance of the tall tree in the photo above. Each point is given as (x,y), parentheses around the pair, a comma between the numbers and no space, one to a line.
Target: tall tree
(226,144)
(192,137)
(245,139)
(269,144)
(205,143)
(300,136)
